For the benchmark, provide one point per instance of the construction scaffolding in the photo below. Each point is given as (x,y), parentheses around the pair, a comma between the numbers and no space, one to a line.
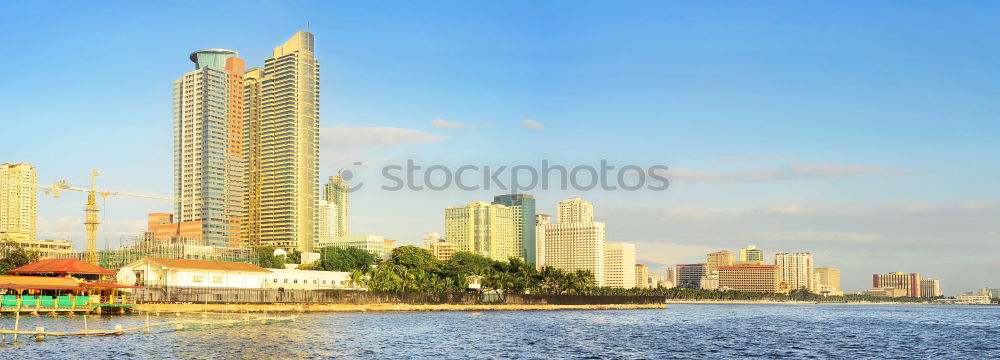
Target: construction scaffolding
(169,247)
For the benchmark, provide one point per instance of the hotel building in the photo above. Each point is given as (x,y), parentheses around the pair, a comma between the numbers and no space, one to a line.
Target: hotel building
(750,278)
(576,241)
(720,258)
(18,203)
(930,287)
(796,270)
(482,228)
(828,280)
(619,265)
(898,280)
(524,223)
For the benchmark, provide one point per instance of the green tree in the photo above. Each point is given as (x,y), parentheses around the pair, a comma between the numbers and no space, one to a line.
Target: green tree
(267,259)
(13,256)
(294,257)
(464,263)
(414,258)
(345,259)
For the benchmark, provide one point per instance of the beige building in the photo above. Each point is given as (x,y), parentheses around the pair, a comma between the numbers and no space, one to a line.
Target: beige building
(720,258)
(909,282)
(540,221)
(442,250)
(47,249)
(376,244)
(430,239)
(338,193)
(282,138)
(619,265)
(575,242)
(18,202)
(642,276)
(887,292)
(796,270)
(482,228)
(828,280)
(326,221)
(930,287)
(750,278)
(654,281)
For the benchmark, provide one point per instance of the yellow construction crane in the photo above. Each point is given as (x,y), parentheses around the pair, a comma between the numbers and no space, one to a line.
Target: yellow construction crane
(91,222)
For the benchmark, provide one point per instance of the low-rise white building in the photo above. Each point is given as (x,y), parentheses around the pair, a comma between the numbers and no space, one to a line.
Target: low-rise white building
(308,279)
(186,272)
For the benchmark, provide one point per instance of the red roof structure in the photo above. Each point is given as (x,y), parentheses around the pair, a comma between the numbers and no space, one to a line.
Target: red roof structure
(61,267)
(38,283)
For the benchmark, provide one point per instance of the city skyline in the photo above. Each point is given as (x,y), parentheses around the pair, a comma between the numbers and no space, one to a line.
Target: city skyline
(863,184)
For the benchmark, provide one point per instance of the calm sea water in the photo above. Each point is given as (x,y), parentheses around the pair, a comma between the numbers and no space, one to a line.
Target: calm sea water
(682,331)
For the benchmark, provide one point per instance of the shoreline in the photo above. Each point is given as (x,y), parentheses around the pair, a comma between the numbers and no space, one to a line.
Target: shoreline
(301,308)
(768,302)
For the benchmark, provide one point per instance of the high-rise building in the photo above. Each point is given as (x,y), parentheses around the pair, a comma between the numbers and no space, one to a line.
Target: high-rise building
(337,192)
(540,221)
(690,275)
(575,210)
(282,133)
(430,239)
(671,276)
(930,287)
(642,276)
(898,280)
(796,270)
(751,253)
(719,258)
(576,241)
(18,202)
(482,228)
(524,223)
(750,278)
(208,154)
(327,224)
(619,265)
(828,279)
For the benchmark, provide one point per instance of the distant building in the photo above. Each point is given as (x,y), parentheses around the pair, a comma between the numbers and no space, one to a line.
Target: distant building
(796,270)
(619,265)
(898,280)
(576,241)
(984,292)
(431,238)
(47,249)
(720,258)
(338,193)
(308,279)
(690,275)
(327,222)
(443,251)
(18,202)
(653,280)
(996,293)
(973,299)
(671,276)
(887,292)
(750,278)
(482,228)
(828,279)
(540,221)
(161,227)
(930,287)
(751,254)
(709,281)
(642,276)
(524,223)
(371,243)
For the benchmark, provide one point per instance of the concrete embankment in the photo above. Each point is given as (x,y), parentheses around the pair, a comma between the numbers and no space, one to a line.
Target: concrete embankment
(189,308)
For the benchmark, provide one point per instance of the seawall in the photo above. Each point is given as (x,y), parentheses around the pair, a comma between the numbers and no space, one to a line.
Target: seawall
(215,308)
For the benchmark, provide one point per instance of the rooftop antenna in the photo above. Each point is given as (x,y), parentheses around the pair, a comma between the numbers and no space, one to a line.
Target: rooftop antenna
(307,26)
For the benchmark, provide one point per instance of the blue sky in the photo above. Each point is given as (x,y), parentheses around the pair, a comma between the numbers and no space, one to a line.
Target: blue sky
(865,133)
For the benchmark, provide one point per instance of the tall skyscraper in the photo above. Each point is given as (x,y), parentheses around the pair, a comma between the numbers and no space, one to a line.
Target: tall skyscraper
(252,132)
(751,253)
(719,258)
(796,270)
(576,241)
(619,265)
(18,202)
(642,279)
(524,222)
(283,124)
(337,192)
(575,210)
(482,228)
(208,160)
(910,283)
(540,221)
(829,280)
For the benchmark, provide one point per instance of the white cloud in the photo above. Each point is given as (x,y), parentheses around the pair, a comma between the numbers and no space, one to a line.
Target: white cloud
(445,124)
(734,159)
(532,124)
(798,170)
(342,144)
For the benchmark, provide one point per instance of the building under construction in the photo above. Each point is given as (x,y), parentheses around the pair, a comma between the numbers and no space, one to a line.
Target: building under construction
(170,247)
